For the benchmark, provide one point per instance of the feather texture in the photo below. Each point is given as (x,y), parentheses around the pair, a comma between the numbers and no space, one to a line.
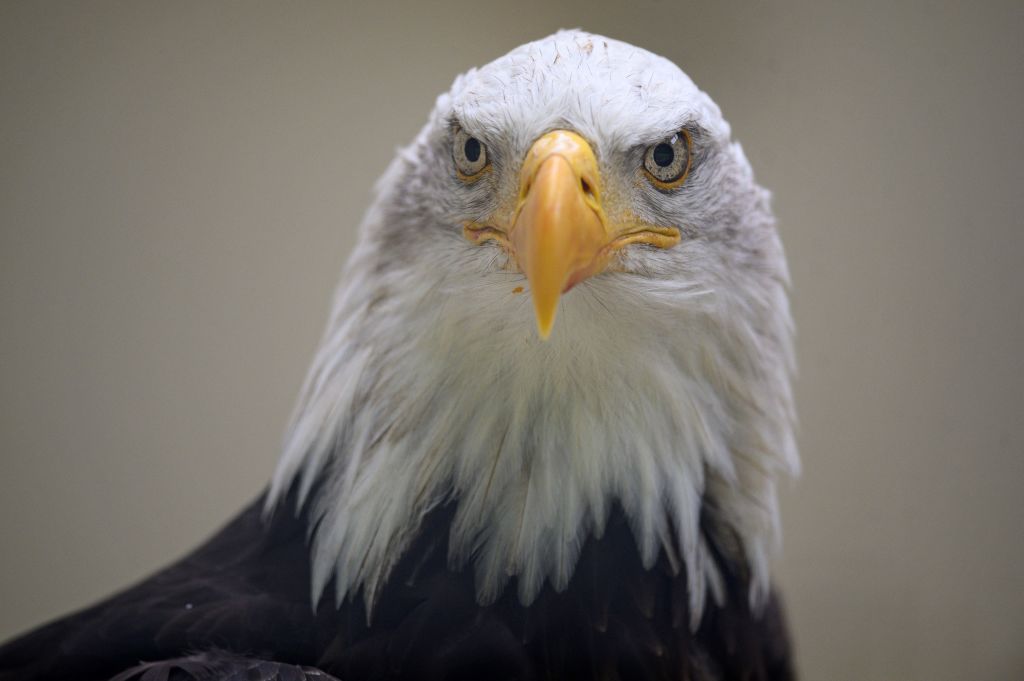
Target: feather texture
(238,608)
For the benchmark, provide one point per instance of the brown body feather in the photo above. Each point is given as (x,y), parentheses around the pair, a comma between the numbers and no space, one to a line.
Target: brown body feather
(238,607)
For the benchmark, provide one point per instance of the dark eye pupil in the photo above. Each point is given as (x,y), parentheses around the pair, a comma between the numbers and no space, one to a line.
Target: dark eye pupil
(663,155)
(472,149)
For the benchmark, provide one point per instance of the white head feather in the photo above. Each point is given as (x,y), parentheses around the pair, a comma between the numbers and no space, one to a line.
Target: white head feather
(663,388)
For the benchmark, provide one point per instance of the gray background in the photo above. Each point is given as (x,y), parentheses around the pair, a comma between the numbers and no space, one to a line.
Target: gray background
(180,183)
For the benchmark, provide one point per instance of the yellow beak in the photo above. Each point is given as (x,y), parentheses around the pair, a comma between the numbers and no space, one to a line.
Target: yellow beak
(559,235)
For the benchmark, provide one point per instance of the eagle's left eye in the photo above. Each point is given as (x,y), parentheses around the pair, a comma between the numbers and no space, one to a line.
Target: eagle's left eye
(469,153)
(668,162)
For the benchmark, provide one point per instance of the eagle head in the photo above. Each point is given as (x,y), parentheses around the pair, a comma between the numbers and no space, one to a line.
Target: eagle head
(569,295)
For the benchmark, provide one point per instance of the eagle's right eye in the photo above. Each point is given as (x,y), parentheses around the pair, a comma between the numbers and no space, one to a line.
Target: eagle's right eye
(470,155)
(668,162)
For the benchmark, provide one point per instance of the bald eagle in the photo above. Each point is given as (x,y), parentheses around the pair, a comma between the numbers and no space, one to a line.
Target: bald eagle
(471,488)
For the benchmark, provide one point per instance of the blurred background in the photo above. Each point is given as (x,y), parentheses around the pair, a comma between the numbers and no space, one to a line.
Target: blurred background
(180,184)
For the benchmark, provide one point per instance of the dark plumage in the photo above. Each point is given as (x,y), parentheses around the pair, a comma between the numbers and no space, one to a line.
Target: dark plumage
(243,599)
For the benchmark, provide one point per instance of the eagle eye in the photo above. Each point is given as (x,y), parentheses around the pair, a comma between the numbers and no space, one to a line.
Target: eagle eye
(668,162)
(470,155)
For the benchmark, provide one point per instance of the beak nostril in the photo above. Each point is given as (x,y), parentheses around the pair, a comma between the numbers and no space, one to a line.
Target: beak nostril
(585,186)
